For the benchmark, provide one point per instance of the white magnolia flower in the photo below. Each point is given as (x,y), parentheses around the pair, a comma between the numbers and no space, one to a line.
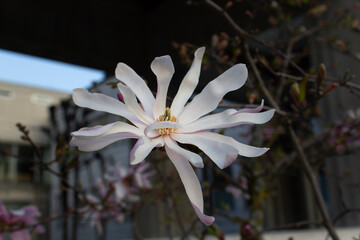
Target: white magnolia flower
(155,125)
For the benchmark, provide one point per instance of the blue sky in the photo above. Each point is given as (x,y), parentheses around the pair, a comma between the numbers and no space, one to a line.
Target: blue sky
(44,73)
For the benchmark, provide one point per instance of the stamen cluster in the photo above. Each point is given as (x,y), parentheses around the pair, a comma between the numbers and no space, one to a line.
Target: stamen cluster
(166,117)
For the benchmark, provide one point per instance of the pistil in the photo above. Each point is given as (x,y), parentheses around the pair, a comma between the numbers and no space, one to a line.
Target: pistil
(166,117)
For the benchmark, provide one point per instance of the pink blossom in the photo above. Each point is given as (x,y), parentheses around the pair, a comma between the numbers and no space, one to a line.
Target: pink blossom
(129,182)
(103,208)
(116,196)
(18,222)
(238,191)
(247,231)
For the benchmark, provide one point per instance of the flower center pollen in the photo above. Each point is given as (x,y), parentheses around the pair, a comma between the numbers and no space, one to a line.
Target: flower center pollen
(166,117)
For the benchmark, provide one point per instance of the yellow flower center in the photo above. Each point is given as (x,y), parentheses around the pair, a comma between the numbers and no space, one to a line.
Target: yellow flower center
(166,117)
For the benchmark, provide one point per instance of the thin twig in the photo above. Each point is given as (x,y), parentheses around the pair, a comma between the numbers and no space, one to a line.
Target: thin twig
(294,225)
(303,159)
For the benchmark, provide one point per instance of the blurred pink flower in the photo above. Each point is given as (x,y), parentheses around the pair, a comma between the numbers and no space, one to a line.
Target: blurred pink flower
(130,181)
(239,191)
(103,208)
(155,125)
(247,231)
(18,222)
(116,196)
(345,134)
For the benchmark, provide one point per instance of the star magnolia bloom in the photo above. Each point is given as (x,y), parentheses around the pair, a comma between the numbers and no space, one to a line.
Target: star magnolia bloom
(155,125)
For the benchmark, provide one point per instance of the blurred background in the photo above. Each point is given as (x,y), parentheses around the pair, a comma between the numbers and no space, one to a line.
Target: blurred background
(48,48)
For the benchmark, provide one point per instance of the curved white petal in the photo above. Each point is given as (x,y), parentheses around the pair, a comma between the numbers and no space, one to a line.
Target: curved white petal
(222,154)
(191,184)
(194,158)
(243,149)
(111,128)
(128,76)
(95,138)
(93,131)
(226,120)
(206,121)
(211,95)
(252,110)
(143,147)
(163,68)
(188,84)
(101,102)
(151,129)
(133,105)
(96,143)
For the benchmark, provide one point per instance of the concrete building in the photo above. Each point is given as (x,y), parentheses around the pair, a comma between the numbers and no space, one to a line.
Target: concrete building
(21,182)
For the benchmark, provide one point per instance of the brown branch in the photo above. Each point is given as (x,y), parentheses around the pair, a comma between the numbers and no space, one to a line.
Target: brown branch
(303,159)
(258,77)
(313,183)
(345,212)
(295,225)
(289,49)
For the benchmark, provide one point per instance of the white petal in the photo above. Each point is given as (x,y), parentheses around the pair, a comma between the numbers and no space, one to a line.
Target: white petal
(243,149)
(96,143)
(226,120)
(95,138)
(111,128)
(143,147)
(194,158)
(191,184)
(128,76)
(151,129)
(212,94)
(101,102)
(206,121)
(133,105)
(188,84)
(93,131)
(163,68)
(222,154)
(252,110)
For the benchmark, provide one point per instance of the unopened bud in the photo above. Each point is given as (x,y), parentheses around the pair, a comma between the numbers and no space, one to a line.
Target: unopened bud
(321,75)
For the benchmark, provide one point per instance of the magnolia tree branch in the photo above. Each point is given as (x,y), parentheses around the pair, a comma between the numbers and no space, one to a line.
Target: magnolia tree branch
(313,182)
(295,225)
(258,77)
(288,56)
(303,159)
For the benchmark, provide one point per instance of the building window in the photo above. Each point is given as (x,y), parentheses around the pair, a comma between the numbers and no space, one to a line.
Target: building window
(25,167)
(43,99)
(16,163)
(6,94)
(8,163)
